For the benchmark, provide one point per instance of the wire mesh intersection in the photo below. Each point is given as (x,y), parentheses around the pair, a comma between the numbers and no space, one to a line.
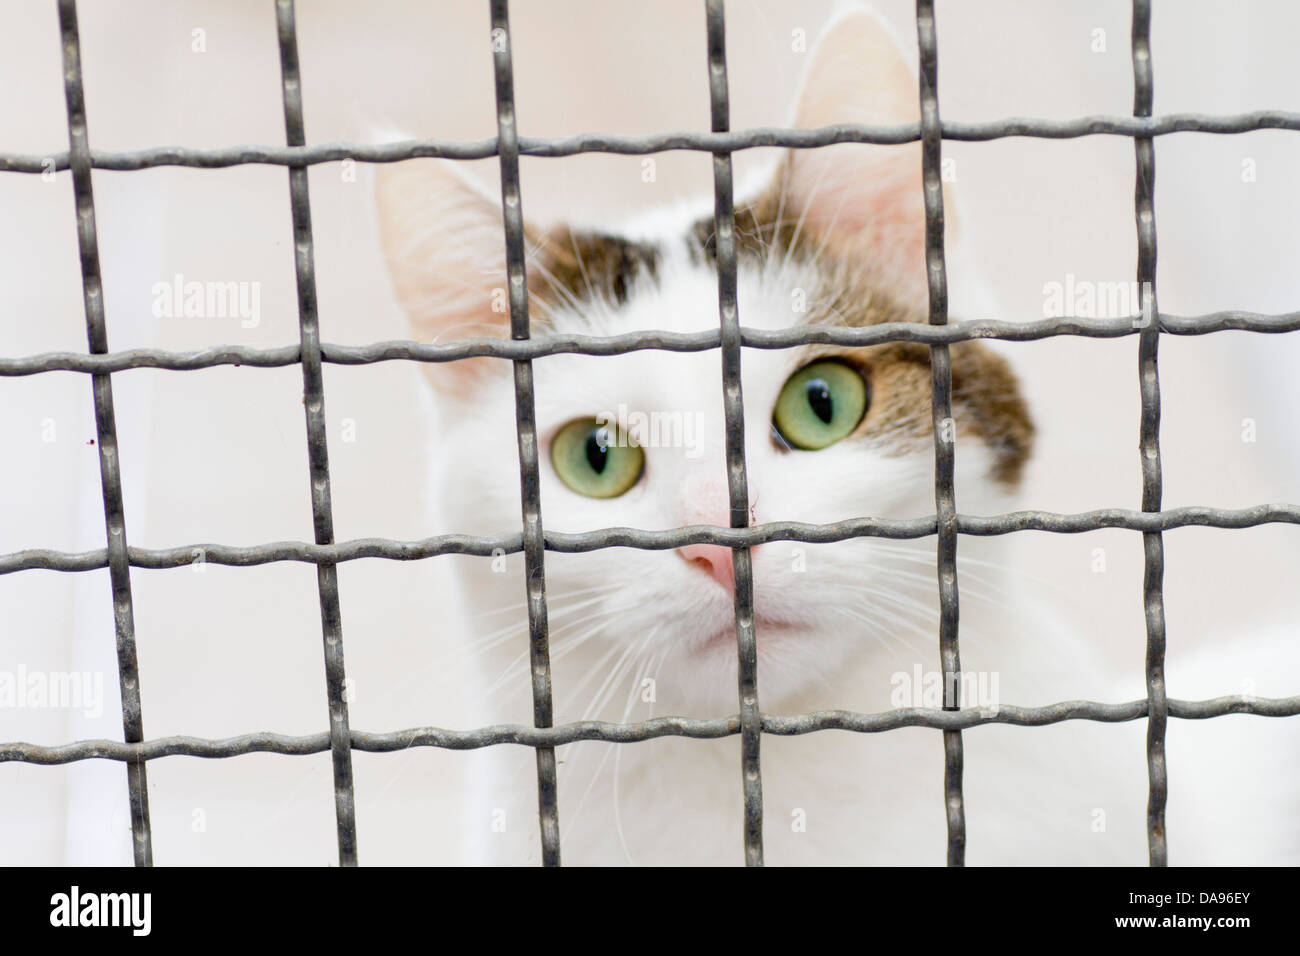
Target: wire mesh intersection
(946,525)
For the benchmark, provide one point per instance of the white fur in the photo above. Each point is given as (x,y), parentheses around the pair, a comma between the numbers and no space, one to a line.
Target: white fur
(832,635)
(837,624)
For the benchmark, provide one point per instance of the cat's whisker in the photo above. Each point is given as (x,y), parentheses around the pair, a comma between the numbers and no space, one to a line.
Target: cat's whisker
(595,776)
(610,683)
(963,560)
(575,692)
(966,590)
(556,616)
(560,646)
(887,631)
(582,268)
(892,627)
(597,702)
(618,758)
(894,547)
(553,599)
(463,661)
(557,608)
(560,626)
(571,300)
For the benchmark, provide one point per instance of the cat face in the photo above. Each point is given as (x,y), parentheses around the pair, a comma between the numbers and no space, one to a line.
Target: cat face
(637,440)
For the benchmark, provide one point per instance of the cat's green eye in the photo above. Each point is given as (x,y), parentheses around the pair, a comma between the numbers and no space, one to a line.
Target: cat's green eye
(820,404)
(596,460)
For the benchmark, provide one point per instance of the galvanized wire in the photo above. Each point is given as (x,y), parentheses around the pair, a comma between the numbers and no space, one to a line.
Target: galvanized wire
(313,400)
(110,473)
(1153,546)
(575,542)
(945,437)
(688,727)
(724,226)
(534,545)
(640,145)
(554,344)
(730,338)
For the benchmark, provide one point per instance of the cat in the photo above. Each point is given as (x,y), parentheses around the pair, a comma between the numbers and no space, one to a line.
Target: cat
(835,237)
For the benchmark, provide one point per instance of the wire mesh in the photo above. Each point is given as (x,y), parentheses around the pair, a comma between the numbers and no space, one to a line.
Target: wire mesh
(945,503)
(1153,545)
(105,430)
(534,543)
(313,391)
(731,338)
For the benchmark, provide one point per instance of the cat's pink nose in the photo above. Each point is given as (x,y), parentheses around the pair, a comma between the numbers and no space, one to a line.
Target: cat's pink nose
(713,559)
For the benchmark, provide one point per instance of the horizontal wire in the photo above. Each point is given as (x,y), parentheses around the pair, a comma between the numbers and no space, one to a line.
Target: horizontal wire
(637,145)
(543,345)
(389,742)
(576,542)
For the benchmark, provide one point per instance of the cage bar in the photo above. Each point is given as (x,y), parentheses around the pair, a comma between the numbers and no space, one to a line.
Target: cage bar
(534,543)
(1153,548)
(640,145)
(945,436)
(724,227)
(313,389)
(1194,516)
(110,473)
(554,344)
(685,727)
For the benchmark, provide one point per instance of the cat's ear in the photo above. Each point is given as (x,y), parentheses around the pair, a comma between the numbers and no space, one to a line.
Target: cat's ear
(863,201)
(444,242)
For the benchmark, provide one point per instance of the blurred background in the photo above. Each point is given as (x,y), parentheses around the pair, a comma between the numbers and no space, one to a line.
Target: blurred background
(219,455)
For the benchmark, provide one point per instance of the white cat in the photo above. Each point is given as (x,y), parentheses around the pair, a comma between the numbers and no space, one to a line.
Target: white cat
(837,237)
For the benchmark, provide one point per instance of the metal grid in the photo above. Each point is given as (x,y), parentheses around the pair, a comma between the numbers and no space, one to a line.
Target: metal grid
(750,723)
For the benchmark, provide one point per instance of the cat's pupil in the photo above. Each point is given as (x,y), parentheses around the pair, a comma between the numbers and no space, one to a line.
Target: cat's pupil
(597,449)
(819,399)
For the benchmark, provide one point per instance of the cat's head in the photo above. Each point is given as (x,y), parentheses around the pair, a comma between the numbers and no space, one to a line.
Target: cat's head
(637,440)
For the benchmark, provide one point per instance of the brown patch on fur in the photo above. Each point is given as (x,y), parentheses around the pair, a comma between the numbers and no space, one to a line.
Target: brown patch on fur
(985,392)
(984,384)
(986,400)
(588,264)
(986,395)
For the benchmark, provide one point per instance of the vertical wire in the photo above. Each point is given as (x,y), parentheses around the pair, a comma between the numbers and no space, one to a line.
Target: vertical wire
(110,475)
(1152,479)
(526,427)
(944,430)
(734,411)
(318,454)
